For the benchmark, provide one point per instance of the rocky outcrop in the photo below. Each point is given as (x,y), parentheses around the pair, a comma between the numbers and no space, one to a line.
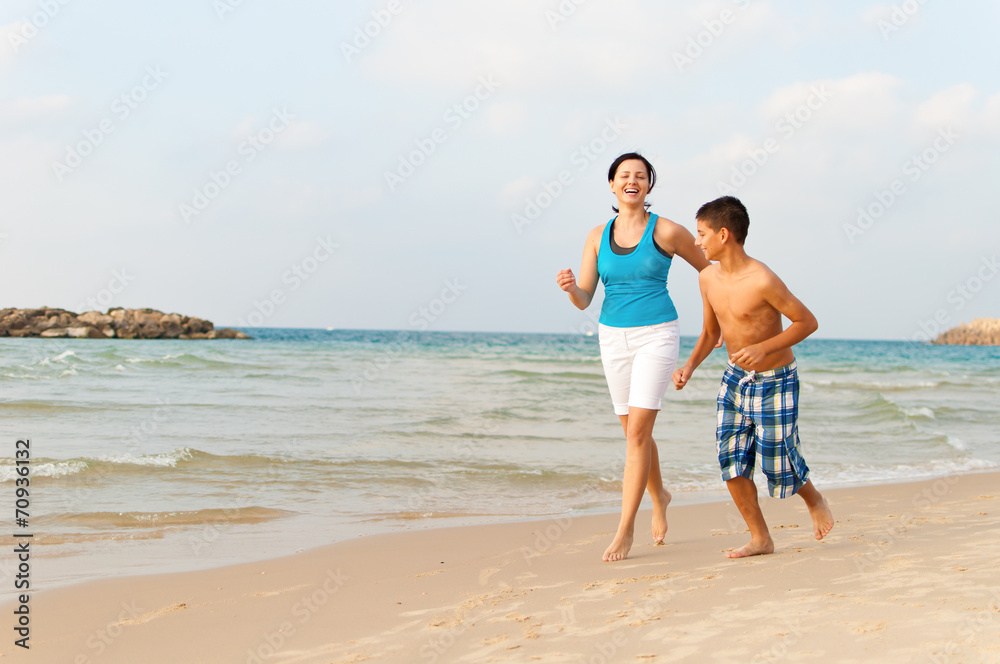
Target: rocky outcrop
(115,324)
(980,332)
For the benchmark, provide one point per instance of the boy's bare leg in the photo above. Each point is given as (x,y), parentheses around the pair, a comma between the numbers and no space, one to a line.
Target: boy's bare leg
(744,493)
(661,497)
(819,510)
(638,448)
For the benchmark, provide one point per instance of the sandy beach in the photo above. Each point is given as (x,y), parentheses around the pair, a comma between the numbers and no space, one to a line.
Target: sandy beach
(909,574)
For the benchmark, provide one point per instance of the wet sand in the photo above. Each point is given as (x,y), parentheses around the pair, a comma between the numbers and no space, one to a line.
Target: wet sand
(909,574)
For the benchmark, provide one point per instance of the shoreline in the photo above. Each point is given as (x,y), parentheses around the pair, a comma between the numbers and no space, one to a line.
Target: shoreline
(907,572)
(69,572)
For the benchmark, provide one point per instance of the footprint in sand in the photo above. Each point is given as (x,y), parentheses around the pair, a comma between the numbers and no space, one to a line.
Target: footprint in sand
(869,627)
(484,576)
(146,617)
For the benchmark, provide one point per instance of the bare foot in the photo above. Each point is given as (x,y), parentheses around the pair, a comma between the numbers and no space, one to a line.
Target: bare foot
(619,548)
(753,549)
(822,519)
(660,517)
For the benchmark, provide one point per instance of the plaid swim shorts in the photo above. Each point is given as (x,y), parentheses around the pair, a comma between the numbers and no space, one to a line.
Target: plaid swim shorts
(759,411)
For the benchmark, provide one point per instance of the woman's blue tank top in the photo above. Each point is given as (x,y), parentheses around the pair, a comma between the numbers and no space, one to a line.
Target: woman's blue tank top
(635,284)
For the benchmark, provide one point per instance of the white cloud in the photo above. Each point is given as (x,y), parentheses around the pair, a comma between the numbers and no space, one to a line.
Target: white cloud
(296,134)
(765,23)
(991,116)
(10,36)
(27,170)
(291,199)
(948,107)
(249,125)
(506,118)
(362,198)
(26,109)
(513,193)
(299,135)
(873,15)
(839,151)
(723,31)
(596,44)
(867,100)
(890,18)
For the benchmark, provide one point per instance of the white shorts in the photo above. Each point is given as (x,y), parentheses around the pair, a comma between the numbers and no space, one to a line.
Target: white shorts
(639,363)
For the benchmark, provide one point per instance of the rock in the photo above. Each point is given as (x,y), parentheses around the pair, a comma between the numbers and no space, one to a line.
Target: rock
(150,331)
(171,325)
(51,322)
(102,322)
(224,333)
(117,323)
(58,318)
(194,325)
(147,317)
(14,321)
(123,318)
(95,318)
(980,332)
(127,331)
(85,332)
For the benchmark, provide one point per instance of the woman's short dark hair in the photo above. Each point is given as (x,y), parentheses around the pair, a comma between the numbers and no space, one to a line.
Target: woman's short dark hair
(613,171)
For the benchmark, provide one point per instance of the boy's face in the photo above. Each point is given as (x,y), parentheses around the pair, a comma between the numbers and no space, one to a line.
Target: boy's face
(707,239)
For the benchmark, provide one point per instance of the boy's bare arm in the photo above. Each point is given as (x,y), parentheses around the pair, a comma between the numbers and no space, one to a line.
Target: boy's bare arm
(803,323)
(707,340)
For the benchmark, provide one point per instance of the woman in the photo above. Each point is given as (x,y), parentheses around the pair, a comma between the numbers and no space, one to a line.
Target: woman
(638,329)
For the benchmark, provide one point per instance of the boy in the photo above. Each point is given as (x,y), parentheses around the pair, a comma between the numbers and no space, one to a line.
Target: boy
(757,403)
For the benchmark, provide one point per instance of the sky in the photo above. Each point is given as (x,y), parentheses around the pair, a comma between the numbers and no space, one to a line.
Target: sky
(432,165)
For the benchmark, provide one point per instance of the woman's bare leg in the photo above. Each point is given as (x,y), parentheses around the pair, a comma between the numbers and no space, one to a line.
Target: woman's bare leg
(659,494)
(638,455)
(657,491)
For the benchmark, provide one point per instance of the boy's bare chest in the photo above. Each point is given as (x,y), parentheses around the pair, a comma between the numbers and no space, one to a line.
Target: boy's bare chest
(738,306)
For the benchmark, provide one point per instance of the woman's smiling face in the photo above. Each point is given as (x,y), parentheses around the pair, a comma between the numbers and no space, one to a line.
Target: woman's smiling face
(631,183)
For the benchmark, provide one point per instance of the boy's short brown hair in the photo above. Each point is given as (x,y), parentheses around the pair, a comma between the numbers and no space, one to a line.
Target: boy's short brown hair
(726,212)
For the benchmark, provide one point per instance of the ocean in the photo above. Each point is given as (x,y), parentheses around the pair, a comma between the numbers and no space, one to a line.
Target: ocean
(153,456)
